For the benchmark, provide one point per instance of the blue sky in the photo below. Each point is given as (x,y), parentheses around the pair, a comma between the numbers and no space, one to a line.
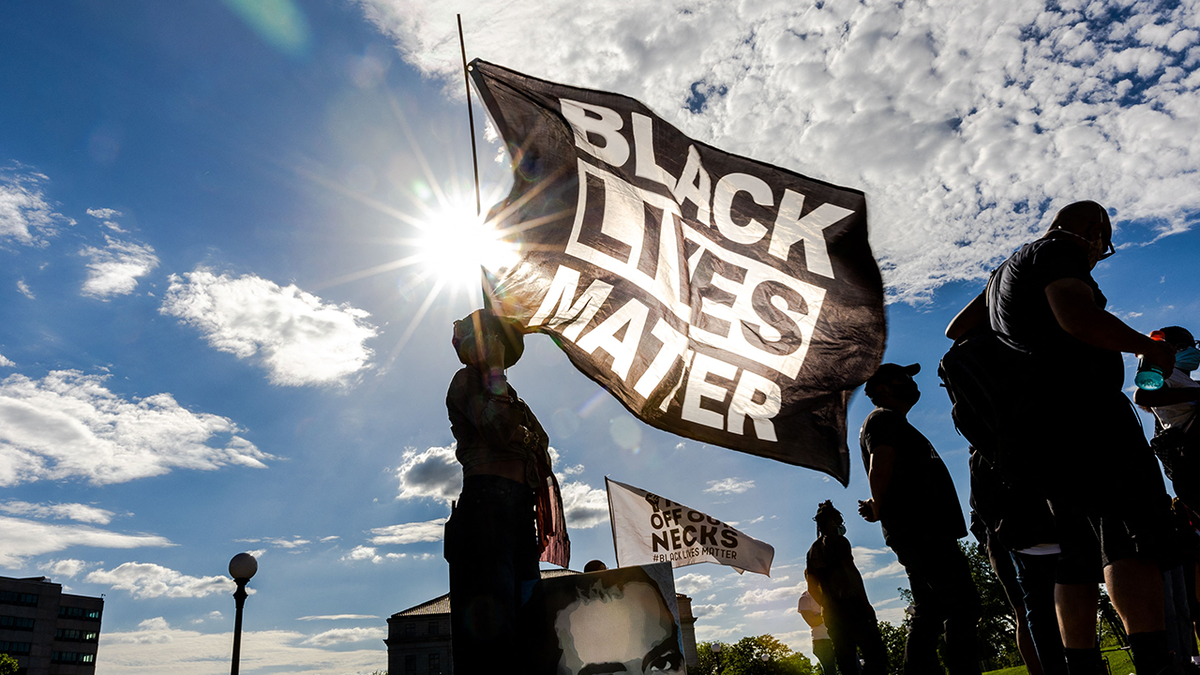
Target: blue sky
(210,340)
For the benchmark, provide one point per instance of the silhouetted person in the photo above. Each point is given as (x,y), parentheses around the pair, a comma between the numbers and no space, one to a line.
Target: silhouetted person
(837,586)
(1174,408)
(822,646)
(1003,564)
(1016,528)
(913,497)
(492,541)
(1080,437)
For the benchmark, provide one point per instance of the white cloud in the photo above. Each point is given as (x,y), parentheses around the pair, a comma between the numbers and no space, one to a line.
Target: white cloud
(337,617)
(409,533)
(430,474)
(25,215)
(434,473)
(68,425)
(346,635)
(141,652)
(107,216)
(148,580)
(297,337)
(25,538)
(69,567)
(707,611)
(690,584)
(279,542)
(77,512)
(583,505)
(709,633)
(368,553)
(965,123)
(6,363)
(104,214)
(758,596)
(157,623)
(114,269)
(892,569)
(729,486)
(24,289)
(875,563)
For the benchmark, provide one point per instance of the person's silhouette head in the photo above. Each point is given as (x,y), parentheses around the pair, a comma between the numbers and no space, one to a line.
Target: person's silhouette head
(1088,223)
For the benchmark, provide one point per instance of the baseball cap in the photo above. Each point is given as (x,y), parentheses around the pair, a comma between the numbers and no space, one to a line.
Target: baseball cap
(889,372)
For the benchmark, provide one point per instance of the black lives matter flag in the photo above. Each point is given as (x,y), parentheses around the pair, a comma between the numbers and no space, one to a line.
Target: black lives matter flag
(718,298)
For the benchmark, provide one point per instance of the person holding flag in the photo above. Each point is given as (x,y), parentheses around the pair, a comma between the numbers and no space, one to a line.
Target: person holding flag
(510,510)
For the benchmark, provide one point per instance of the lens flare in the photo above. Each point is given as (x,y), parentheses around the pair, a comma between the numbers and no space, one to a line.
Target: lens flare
(455,245)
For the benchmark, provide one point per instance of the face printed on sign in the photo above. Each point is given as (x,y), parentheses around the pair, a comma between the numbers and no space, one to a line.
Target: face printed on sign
(614,621)
(626,630)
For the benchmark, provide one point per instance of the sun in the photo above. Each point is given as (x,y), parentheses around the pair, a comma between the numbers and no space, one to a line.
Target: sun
(454,244)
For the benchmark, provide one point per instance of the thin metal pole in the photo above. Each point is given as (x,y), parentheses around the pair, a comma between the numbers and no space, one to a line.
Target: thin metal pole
(239,597)
(470,114)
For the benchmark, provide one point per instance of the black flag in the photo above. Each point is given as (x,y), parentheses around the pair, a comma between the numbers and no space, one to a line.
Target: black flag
(718,298)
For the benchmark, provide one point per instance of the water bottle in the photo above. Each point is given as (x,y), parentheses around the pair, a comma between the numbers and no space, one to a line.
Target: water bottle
(1150,377)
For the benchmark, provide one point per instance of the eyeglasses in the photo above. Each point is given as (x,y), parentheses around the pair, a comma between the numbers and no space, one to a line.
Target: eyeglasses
(1108,252)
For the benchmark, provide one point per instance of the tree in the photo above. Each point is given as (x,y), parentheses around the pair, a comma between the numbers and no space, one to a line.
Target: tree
(997,623)
(893,640)
(8,665)
(744,657)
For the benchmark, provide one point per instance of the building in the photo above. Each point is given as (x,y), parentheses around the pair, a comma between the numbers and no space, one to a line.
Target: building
(419,640)
(47,631)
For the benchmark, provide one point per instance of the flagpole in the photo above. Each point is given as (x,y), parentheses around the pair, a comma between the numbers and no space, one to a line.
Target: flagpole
(612,521)
(470,113)
(462,45)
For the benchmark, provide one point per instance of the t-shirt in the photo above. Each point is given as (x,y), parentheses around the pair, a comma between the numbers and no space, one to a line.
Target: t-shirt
(1020,313)
(920,503)
(1176,413)
(807,604)
(830,563)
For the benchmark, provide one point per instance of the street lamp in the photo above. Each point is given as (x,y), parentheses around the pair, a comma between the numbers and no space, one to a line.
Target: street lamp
(716,649)
(241,568)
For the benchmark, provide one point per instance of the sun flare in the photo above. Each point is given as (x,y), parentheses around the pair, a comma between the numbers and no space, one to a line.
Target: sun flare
(455,244)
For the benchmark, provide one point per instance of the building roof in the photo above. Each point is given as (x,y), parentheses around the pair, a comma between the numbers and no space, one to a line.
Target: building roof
(441,604)
(438,605)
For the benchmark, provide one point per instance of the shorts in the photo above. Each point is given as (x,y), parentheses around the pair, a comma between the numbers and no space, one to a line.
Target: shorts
(1088,455)
(1092,542)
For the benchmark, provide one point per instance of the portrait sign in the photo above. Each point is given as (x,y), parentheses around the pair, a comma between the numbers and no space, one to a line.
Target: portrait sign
(621,620)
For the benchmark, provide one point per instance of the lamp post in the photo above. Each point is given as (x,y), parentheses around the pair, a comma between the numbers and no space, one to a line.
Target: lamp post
(241,568)
(716,649)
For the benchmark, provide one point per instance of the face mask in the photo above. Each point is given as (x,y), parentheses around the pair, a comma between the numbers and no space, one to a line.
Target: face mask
(1188,359)
(842,530)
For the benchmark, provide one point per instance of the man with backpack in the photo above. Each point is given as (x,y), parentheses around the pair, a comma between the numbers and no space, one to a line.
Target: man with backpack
(1075,434)
(913,497)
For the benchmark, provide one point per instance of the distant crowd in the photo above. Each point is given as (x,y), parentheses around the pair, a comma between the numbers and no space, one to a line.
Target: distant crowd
(1066,493)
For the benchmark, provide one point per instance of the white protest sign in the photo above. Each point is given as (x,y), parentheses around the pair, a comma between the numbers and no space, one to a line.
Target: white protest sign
(649,529)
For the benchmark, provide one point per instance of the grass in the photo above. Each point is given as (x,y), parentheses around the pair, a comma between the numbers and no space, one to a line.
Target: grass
(1119,663)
